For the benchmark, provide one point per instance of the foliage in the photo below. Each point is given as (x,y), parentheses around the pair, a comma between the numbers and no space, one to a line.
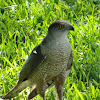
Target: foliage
(23,25)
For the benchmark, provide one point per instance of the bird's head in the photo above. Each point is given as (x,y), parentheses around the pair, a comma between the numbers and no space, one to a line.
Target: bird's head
(60,27)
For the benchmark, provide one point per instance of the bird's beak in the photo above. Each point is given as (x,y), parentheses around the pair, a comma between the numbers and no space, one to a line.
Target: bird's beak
(72,28)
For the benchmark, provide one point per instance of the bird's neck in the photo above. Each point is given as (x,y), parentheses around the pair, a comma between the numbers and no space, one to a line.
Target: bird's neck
(56,37)
(52,43)
(52,39)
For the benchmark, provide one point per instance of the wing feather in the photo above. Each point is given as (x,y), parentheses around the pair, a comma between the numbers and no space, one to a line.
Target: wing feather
(31,64)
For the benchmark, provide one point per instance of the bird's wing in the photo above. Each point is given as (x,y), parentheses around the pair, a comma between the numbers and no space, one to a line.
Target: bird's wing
(31,64)
(70,61)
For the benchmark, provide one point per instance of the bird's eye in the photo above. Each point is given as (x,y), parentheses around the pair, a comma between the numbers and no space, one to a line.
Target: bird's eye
(61,26)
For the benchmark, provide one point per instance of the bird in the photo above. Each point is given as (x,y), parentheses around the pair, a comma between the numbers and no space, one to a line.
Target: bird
(48,64)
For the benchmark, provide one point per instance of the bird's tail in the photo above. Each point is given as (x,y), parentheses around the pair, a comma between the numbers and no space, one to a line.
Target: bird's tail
(15,91)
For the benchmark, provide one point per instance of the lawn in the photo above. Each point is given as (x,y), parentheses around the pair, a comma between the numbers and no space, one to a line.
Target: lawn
(23,25)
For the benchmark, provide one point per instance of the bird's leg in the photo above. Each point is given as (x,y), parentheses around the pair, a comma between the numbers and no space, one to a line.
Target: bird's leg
(34,91)
(59,85)
(32,94)
(41,87)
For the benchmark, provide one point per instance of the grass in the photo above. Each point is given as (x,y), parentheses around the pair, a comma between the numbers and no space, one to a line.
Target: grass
(23,25)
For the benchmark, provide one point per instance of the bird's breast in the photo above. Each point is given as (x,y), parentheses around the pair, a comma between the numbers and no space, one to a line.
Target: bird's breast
(56,59)
(59,53)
